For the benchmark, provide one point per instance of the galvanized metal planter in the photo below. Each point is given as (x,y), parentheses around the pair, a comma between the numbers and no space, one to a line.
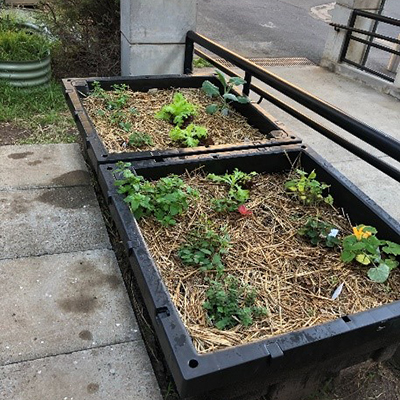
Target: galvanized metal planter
(26,74)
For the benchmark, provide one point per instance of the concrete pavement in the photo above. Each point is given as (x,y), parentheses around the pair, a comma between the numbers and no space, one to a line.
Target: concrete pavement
(67,328)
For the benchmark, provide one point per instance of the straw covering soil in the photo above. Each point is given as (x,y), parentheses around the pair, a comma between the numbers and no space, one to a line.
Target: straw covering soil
(222,130)
(294,280)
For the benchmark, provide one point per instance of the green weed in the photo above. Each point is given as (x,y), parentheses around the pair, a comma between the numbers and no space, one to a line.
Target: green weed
(204,247)
(307,189)
(230,303)
(237,194)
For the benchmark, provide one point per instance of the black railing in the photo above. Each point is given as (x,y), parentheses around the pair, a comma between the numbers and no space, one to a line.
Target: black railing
(374,137)
(368,40)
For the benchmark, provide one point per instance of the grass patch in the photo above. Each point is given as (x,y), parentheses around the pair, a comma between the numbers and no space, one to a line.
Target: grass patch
(42,111)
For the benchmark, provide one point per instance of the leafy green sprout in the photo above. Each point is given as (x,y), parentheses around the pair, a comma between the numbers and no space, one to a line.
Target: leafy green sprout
(164,199)
(307,189)
(205,247)
(140,139)
(320,232)
(227,97)
(237,194)
(199,62)
(190,136)
(229,303)
(178,111)
(364,247)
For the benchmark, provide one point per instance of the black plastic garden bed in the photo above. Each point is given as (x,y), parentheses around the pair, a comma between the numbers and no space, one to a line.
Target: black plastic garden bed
(267,365)
(76,89)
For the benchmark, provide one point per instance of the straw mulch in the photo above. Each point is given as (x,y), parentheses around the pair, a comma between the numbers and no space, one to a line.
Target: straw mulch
(294,279)
(222,130)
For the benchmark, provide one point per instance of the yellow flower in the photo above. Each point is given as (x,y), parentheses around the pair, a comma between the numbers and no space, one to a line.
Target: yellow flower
(359,234)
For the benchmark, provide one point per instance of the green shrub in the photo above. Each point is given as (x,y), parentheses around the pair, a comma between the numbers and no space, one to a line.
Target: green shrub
(88,33)
(20,43)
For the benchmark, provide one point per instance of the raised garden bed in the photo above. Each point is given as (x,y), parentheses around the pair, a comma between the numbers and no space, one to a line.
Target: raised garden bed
(303,330)
(107,126)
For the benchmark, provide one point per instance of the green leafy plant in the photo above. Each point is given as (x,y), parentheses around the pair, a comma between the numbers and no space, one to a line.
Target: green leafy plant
(199,62)
(227,97)
(237,194)
(307,189)
(178,111)
(115,99)
(364,247)
(190,136)
(163,199)
(230,303)
(320,232)
(140,139)
(205,247)
(19,42)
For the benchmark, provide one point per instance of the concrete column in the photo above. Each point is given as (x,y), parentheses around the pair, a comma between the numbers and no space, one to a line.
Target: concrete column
(341,15)
(397,85)
(153,35)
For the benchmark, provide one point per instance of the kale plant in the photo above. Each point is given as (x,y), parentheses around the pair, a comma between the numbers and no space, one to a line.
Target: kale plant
(227,97)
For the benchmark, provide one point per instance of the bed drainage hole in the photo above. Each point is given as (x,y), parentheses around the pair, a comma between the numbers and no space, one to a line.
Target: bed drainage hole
(346,318)
(109,168)
(104,155)
(193,363)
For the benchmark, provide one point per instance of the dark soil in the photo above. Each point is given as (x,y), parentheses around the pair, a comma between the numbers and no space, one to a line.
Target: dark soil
(368,380)
(11,134)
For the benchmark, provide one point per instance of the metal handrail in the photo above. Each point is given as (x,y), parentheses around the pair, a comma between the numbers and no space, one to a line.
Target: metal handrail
(374,161)
(372,136)
(378,17)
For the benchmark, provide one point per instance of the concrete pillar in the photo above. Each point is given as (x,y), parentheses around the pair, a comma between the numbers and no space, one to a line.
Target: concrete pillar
(341,15)
(153,35)
(397,85)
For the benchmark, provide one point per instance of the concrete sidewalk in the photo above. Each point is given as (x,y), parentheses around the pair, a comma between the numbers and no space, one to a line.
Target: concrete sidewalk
(376,109)
(67,329)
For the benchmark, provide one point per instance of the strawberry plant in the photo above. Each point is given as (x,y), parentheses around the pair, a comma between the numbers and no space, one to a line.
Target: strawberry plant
(307,189)
(204,247)
(164,199)
(140,139)
(178,111)
(230,303)
(237,194)
(227,97)
(320,232)
(113,100)
(364,247)
(190,136)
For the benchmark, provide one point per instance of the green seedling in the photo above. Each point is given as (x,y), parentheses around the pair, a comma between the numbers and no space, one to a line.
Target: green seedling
(190,136)
(201,63)
(364,247)
(164,199)
(205,247)
(320,232)
(307,189)
(230,303)
(227,97)
(178,111)
(140,139)
(237,194)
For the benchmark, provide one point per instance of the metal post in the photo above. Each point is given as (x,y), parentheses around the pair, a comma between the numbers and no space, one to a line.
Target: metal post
(188,63)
